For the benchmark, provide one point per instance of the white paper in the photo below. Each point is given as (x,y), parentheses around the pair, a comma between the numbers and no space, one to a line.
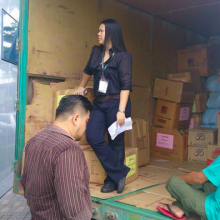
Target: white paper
(115,129)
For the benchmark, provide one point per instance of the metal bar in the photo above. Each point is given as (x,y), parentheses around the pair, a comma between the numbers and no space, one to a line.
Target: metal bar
(22,92)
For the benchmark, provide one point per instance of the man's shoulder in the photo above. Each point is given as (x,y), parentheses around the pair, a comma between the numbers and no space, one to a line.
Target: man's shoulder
(56,141)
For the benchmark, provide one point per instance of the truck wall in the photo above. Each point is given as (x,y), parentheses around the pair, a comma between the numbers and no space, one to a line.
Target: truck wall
(62,33)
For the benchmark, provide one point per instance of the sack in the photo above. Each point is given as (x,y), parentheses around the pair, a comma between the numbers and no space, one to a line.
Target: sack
(210,116)
(214,100)
(208,126)
(212,84)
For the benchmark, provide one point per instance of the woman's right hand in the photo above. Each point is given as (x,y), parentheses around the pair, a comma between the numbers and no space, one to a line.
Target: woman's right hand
(80,91)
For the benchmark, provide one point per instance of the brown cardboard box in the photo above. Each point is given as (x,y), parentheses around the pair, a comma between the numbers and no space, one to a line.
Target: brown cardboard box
(189,77)
(199,105)
(172,115)
(202,137)
(58,95)
(138,137)
(213,152)
(170,144)
(199,58)
(218,120)
(195,121)
(174,91)
(97,173)
(197,154)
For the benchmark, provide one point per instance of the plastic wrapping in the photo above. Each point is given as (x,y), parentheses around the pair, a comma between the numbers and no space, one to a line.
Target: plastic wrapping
(214,100)
(210,116)
(208,126)
(212,84)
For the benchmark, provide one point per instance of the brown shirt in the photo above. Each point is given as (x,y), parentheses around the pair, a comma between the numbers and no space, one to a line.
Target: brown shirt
(56,177)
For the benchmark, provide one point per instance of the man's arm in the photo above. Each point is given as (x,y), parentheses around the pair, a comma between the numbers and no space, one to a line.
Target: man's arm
(71,186)
(194,178)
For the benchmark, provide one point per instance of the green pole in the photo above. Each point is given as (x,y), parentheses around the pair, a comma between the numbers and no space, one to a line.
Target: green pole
(22,94)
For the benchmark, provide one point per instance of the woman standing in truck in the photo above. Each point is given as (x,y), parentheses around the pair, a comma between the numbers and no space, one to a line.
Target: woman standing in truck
(111,65)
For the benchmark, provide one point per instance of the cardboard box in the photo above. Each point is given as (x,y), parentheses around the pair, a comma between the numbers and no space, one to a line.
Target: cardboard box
(170,144)
(195,121)
(218,136)
(197,154)
(199,105)
(201,58)
(213,151)
(58,95)
(173,91)
(172,115)
(97,173)
(202,137)
(138,137)
(218,120)
(189,77)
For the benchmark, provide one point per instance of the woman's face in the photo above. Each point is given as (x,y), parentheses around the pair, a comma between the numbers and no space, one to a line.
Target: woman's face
(101,34)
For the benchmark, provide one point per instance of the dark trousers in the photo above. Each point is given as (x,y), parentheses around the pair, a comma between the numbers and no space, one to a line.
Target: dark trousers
(111,155)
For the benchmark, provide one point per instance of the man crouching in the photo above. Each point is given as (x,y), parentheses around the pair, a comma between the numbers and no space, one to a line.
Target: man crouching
(56,176)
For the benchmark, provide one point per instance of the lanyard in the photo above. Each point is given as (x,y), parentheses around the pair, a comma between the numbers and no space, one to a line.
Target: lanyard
(105,66)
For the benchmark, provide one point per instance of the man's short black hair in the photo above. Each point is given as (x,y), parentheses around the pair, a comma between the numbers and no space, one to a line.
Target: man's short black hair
(68,104)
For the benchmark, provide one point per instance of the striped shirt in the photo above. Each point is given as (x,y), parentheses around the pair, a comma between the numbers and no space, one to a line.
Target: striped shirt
(56,177)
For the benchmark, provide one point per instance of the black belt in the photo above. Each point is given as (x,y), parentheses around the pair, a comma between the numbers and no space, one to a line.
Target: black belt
(105,98)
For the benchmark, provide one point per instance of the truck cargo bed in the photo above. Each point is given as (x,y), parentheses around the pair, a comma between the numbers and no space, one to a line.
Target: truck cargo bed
(139,200)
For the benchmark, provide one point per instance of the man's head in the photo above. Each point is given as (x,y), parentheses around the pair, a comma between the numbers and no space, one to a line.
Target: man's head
(73,114)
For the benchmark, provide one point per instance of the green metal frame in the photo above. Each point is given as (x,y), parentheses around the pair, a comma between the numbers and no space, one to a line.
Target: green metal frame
(22,92)
(125,211)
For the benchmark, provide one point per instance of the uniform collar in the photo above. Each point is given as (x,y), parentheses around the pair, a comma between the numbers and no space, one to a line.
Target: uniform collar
(111,51)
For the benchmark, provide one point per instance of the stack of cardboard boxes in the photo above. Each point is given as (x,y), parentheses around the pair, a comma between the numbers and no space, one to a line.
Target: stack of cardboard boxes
(198,142)
(172,117)
(213,151)
(181,100)
(199,105)
(138,138)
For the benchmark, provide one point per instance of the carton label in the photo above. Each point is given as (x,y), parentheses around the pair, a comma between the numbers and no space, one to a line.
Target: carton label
(165,141)
(197,154)
(184,113)
(215,153)
(131,163)
(191,125)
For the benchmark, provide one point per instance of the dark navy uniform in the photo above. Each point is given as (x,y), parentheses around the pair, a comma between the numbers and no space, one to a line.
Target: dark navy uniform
(118,72)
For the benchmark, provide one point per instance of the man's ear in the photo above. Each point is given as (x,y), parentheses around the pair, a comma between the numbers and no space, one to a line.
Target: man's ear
(75,119)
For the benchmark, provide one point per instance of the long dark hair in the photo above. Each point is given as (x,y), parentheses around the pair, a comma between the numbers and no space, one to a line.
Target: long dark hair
(113,32)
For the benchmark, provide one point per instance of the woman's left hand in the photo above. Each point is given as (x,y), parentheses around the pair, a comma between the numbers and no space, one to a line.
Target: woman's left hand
(120,118)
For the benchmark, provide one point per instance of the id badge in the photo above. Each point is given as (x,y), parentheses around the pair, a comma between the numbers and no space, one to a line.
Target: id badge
(103,85)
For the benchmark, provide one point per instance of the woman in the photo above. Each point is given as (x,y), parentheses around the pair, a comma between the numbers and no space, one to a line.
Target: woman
(110,63)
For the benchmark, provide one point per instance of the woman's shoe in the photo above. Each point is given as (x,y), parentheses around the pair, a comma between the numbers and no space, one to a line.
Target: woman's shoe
(121,185)
(107,188)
